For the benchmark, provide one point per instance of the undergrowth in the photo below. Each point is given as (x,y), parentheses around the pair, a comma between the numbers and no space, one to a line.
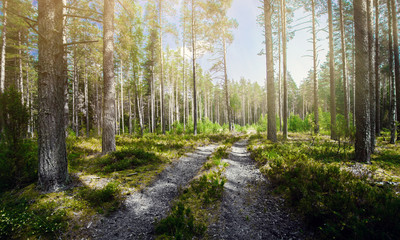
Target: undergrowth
(334,202)
(189,216)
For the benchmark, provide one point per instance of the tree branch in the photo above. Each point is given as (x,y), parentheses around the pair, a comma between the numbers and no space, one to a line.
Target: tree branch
(84,17)
(81,42)
(82,9)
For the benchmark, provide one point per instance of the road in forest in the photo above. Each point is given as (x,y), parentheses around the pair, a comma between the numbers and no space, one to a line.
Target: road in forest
(249,210)
(136,219)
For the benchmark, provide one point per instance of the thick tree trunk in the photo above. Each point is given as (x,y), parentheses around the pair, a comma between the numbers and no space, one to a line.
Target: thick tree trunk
(363,126)
(314,33)
(396,61)
(344,70)
(3,48)
(377,77)
(270,71)
(53,164)
(285,90)
(332,73)
(371,61)
(108,144)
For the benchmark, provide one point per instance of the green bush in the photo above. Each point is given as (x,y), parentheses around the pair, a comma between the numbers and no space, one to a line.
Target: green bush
(180,223)
(18,156)
(127,158)
(104,200)
(334,202)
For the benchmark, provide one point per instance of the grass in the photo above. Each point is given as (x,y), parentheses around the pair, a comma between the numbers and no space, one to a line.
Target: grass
(313,175)
(98,184)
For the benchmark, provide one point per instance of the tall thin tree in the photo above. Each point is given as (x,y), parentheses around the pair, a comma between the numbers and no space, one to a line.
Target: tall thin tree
(108,138)
(332,73)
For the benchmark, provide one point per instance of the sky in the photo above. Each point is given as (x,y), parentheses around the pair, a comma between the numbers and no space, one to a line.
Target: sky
(243,59)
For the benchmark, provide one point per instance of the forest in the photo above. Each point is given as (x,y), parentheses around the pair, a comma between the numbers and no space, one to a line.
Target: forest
(123,119)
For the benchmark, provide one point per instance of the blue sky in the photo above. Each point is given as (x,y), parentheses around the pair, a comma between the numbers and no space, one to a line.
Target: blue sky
(243,60)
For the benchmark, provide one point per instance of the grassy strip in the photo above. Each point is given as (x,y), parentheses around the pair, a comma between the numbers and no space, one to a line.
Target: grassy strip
(334,202)
(189,216)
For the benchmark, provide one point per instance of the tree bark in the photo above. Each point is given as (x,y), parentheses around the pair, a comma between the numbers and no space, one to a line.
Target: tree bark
(344,66)
(194,73)
(3,48)
(162,102)
(396,61)
(285,90)
(371,62)
(377,77)
(228,106)
(363,126)
(393,102)
(53,164)
(314,33)
(332,73)
(108,144)
(271,134)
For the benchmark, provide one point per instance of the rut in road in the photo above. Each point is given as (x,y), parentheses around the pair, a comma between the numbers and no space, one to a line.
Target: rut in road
(136,220)
(248,209)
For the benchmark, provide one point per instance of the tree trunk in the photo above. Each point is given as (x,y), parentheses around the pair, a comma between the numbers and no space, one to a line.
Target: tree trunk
(377,80)
(344,66)
(53,163)
(21,76)
(371,62)
(396,61)
(270,71)
(86,100)
(3,48)
(122,100)
(194,73)
(285,90)
(162,102)
(363,127)
(316,112)
(228,106)
(108,144)
(332,73)
(393,102)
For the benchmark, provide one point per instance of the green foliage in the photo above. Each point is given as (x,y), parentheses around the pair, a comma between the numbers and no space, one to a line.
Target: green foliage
(209,187)
(334,202)
(180,224)
(296,124)
(262,124)
(18,160)
(18,220)
(104,200)
(14,117)
(127,158)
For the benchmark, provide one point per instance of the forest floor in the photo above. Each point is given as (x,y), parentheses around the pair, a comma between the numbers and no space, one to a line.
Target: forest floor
(136,219)
(222,186)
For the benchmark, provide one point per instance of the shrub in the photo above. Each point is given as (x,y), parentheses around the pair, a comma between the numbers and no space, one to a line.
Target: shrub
(180,223)
(334,202)
(104,200)
(18,160)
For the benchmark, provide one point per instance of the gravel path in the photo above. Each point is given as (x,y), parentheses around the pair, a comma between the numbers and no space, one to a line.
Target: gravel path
(136,220)
(248,209)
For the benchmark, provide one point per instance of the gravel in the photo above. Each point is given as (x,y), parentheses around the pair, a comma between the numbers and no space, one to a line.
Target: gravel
(136,219)
(248,209)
